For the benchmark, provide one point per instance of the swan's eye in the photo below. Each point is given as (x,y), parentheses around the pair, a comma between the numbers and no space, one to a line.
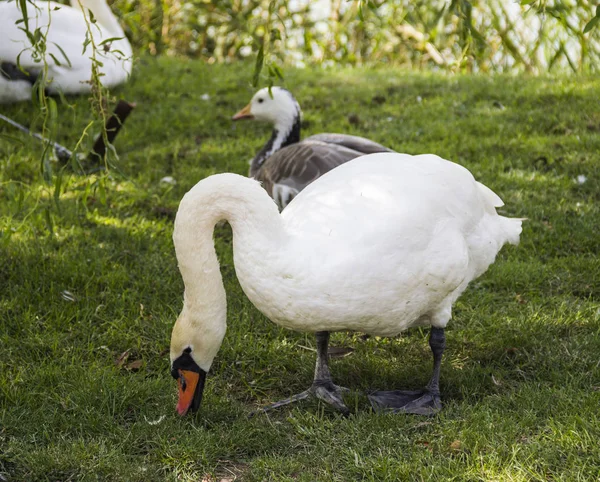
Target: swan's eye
(261,100)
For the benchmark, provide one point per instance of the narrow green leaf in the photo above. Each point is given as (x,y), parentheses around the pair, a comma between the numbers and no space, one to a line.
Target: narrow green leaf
(48,219)
(23,8)
(52,110)
(57,187)
(46,166)
(37,92)
(86,42)
(278,71)
(108,40)
(63,53)
(19,63)
(29,35)
(260,58)
(56,61)
(591,24)
(37,35)
(102,191)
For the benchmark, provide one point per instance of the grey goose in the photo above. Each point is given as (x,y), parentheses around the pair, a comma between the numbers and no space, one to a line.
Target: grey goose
(286,164)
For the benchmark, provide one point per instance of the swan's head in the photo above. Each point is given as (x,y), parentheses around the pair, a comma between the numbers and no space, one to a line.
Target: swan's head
(194,344)
(278,107)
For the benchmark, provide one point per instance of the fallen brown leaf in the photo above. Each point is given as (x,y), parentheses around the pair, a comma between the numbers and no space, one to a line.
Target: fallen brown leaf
(135,365)
(456,445)
(122,358)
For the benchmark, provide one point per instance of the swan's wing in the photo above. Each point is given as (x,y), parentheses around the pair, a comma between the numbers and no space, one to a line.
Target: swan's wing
(67,29)
(69,68)
(360,144)
(292,168)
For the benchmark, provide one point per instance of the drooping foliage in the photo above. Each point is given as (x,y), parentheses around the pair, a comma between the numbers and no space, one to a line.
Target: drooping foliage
(473,35)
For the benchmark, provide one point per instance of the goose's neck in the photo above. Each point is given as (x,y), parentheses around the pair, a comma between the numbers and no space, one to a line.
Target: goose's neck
(284,134)
(257,231)
(102,13)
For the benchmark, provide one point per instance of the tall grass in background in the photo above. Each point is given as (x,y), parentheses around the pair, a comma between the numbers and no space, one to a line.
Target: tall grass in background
(532,36)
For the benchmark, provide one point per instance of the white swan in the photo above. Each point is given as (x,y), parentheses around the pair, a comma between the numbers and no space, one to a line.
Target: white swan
(380,244)
(65,29)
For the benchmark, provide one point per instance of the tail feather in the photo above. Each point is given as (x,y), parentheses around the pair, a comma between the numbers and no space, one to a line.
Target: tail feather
(490,196)
(512,228)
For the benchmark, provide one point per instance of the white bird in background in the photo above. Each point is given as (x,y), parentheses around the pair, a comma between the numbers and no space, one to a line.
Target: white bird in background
(286,164)
(379,244)
(64,29)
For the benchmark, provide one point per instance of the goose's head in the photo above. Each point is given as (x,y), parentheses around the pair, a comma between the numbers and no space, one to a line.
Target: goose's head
(278,107)
(194,345)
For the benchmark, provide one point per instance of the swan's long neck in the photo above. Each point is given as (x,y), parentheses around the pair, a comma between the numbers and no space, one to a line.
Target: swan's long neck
(102,13)
(257,229)
(285,133)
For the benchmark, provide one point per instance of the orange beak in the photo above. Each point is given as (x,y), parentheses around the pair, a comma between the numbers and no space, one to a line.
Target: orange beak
(190,391)
(243,114)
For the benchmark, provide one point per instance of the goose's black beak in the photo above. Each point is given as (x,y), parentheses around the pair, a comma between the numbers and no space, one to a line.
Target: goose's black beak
(191,388)
(243,114)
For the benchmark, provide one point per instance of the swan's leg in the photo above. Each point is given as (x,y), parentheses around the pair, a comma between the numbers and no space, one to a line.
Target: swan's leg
(322,387)
(437,343)
(421,402)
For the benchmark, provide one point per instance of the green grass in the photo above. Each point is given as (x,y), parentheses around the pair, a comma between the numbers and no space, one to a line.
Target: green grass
(521,374)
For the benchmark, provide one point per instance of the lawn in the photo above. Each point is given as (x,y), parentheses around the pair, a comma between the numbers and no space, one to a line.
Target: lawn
(89,291)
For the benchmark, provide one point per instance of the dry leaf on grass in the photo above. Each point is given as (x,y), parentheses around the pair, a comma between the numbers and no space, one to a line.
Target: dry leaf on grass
(122,358)
(456,445)
(134,365)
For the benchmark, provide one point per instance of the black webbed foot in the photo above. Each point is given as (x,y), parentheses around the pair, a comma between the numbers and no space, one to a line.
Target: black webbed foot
(419,402)
(330,393)
(324,390)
